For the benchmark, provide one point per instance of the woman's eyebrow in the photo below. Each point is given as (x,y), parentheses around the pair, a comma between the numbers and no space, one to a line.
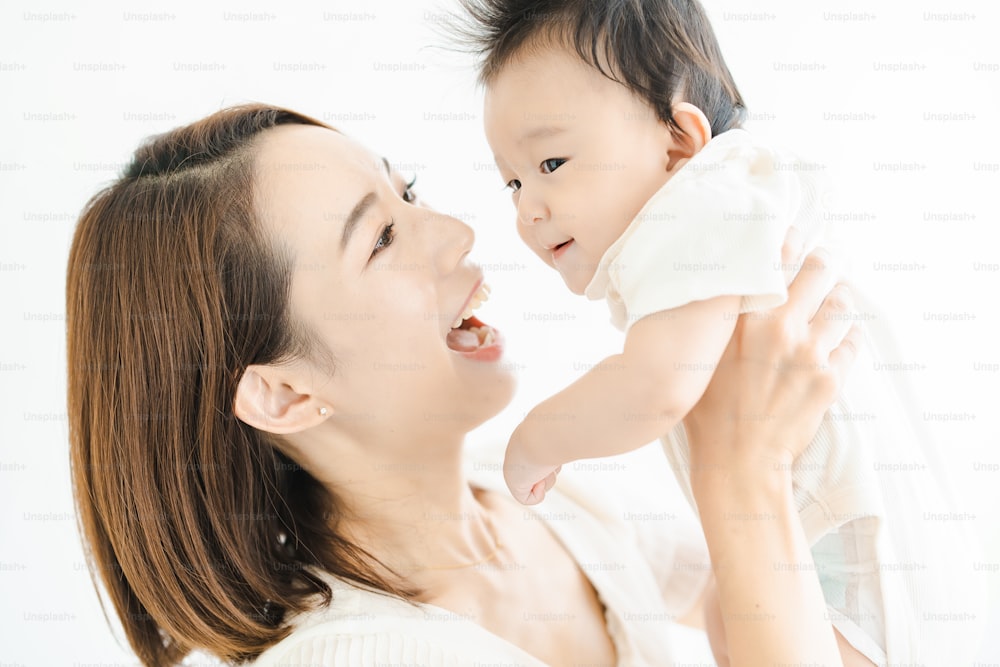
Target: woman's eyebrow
(359,210)
(357,213)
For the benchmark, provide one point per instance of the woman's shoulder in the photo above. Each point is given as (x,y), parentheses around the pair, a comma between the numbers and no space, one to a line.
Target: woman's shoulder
(358,627)
(364,628)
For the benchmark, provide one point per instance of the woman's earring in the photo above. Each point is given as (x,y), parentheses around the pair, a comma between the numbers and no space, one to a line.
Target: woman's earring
(323,411)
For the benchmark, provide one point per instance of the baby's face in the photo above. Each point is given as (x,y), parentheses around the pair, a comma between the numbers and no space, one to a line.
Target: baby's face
(581,154)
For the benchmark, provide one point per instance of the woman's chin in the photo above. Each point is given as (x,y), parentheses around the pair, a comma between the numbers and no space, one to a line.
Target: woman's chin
(478,349)
(491,395)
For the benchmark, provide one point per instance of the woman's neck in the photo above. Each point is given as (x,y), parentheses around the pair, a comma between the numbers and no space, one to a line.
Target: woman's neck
(413,509)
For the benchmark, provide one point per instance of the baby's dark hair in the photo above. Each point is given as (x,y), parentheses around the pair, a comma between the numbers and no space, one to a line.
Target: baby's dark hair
(655,48)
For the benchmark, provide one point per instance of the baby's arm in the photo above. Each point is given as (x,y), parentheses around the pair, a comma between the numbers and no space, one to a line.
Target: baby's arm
(627,400)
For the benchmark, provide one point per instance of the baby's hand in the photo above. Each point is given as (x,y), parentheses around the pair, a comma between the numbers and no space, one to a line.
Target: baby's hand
(527,481)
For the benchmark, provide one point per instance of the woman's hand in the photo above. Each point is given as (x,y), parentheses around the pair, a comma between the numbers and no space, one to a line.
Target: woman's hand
(781,371)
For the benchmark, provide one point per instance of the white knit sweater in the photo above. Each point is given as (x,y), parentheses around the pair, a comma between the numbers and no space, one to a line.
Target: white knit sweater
(660,571)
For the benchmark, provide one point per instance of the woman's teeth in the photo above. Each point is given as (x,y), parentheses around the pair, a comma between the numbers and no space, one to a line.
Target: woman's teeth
(468,340)
(482,294)
(484,334)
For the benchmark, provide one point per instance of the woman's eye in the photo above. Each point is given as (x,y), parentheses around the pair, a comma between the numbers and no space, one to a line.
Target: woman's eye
(514,184)
(409,195)
(553,163)
(385,239)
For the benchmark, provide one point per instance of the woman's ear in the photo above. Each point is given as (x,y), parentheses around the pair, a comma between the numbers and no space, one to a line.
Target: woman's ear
(267,401)
(696,131)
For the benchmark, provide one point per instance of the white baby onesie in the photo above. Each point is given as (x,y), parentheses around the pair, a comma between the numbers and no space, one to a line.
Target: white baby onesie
(888,559)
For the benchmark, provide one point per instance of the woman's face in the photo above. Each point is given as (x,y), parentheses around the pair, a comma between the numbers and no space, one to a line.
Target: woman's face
(379,280)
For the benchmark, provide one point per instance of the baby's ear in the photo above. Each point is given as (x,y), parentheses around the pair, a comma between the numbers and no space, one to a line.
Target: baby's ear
(696,131)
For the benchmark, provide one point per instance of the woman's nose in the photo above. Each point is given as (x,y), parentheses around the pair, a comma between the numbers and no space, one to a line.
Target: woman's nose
(452,240)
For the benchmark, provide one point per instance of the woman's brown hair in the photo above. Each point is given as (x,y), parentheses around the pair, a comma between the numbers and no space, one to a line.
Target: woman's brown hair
(203,533)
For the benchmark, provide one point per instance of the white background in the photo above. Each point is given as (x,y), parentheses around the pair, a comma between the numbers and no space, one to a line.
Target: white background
(899,102)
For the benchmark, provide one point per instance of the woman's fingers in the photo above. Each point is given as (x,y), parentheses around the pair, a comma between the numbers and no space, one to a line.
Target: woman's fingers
(843,356)
(810,286)
(835,340)
(793,247)
(833,319)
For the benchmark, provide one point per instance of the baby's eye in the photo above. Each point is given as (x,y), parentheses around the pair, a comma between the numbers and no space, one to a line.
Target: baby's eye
(514,184)
(550,165)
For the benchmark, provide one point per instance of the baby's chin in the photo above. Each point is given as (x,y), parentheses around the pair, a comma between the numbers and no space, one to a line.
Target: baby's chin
(578,290)
(577,281)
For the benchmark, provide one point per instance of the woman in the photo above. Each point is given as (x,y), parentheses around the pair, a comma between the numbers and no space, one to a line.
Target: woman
(268,398)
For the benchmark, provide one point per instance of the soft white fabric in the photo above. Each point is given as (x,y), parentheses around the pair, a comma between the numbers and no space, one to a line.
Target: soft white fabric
(646,573)
(891,572)
(715,228)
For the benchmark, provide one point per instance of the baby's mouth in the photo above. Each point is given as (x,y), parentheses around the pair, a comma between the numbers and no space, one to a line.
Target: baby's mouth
(557,250)
(468,333)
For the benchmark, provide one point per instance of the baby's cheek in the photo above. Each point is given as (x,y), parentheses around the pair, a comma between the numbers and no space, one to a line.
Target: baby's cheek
(522,234)
(542,253)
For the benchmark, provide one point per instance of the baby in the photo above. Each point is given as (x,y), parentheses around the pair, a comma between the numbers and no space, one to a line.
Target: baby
(617,127)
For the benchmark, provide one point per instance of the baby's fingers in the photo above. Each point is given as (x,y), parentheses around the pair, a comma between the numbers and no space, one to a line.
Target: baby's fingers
(521,488)
(537,494)
(538,491)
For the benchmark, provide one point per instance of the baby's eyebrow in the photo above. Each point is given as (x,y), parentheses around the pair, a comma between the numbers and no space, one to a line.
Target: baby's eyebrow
(541,132)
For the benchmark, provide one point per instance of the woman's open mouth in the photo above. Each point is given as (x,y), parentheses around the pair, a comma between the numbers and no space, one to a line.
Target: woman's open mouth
(470,336)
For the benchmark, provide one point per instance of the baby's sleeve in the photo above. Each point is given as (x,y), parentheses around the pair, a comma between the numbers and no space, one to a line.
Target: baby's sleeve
(716,229)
